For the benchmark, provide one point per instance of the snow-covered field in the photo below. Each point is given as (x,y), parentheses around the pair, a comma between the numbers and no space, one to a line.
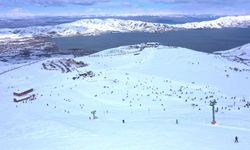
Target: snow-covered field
(147,86)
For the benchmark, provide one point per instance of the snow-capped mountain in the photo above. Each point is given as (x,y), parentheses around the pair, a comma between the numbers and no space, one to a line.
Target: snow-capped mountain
(99,26)
(239,54)
(223,22)
(85,27)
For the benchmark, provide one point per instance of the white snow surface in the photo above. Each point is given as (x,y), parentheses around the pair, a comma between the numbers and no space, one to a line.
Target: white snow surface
(241,54)
(84,27)
(99,26)
(223,22)
(148,87)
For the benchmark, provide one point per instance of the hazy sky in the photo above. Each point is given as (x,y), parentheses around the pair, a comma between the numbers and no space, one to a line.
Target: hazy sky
(17,8)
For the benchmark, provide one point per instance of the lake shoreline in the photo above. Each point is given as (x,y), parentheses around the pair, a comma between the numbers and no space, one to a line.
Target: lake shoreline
(203,40)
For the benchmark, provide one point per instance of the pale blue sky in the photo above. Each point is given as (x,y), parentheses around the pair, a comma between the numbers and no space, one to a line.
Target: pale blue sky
(18,8)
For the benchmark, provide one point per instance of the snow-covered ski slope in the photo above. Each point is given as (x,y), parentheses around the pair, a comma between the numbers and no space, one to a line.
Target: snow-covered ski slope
(147,86)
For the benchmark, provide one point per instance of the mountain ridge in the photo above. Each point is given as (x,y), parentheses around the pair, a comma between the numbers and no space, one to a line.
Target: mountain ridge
(99,26)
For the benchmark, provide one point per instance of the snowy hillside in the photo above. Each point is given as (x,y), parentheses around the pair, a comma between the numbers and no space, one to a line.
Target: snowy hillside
(136,92)
(99,26)
(85,27)
(239,54)
(223,22)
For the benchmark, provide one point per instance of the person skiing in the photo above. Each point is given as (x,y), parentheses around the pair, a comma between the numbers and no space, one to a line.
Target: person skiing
(236,140)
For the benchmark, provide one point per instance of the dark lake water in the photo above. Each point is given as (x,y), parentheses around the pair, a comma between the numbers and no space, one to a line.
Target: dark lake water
(208,40)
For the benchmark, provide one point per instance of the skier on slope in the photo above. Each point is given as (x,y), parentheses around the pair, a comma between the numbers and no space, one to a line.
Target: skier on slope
(236,140)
